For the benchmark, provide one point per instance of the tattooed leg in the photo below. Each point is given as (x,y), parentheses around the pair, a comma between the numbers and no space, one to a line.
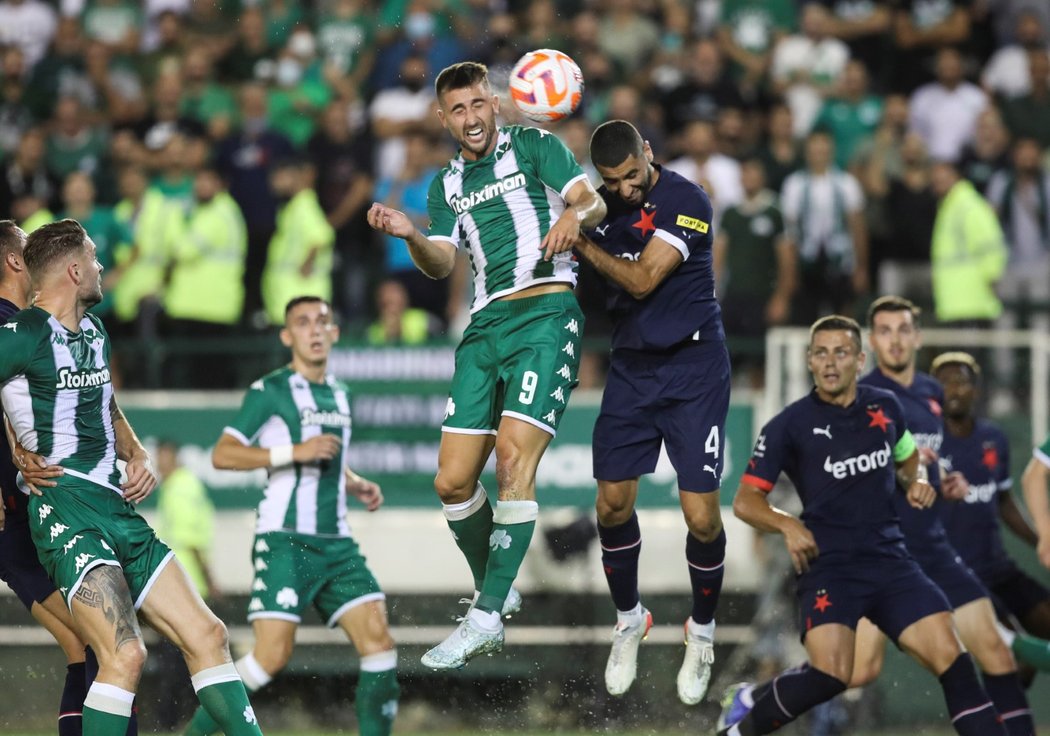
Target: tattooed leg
(103,610)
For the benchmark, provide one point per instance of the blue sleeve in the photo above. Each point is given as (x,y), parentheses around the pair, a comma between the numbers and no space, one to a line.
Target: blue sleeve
(1003,481)
(767,457)
(684,221)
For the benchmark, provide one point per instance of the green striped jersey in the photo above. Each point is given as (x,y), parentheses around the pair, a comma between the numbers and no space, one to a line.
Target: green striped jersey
(502,206)
(57,393)
(283,408)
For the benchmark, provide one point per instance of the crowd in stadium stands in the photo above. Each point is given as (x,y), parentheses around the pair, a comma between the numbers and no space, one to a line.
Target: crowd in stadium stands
(222,154)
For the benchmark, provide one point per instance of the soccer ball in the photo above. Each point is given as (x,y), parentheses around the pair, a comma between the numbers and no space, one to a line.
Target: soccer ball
(546,85)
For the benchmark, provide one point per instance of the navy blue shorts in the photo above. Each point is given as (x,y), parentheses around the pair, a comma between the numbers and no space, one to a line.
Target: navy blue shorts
(679,399)
(1016,592)
(947,569)
(19,566)
(893,593)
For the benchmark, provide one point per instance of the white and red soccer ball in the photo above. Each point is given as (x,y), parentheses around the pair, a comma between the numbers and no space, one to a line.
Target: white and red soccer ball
(546,85)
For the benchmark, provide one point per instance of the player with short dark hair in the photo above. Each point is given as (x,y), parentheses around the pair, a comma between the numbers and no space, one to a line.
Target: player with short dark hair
(517,199)
(103,556)
(668,384)
(295,422)
(895,339)
(847,449)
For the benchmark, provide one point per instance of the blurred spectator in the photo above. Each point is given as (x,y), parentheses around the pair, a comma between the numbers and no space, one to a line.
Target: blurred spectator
(156,226)
(111,87)
(115,23)
(400,108)
(60,72)
(300,91)
(205,293)
(407,191)
(156,13)
(438,30)
(732,133)
(31,212)
(74,143)
(922,28)
(252,57)
(109,235)
(15,116)
(1006,74)
(967,255)
(28,24)
(500,47)
(1021,198)
(144,143)
(25,175)
(945,112)
(902,209)
(748,33)
(705,89)
(988,151)
(346,38)
(625,103)
(207,25)
(398,323)
(781,154)
(299,259)
(1005,15)
(343,160)
(245,160)
(704,165)
(626,35)
(853,115)
(824,211)
(543,28)
(175,173)
(755,268)
(883,148)
(806,66)
(203,100)
(282,18)
(1028,116)
(185,517)
(863,25)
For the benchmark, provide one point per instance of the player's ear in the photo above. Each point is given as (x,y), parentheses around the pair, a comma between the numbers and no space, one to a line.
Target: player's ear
(495,104)
(286,337)
(647,151)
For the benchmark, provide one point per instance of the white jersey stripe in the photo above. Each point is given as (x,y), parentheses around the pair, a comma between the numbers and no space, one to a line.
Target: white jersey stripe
(18,405)
(344,408)
(281,483)
(66,400)
(102,470)
(309,475)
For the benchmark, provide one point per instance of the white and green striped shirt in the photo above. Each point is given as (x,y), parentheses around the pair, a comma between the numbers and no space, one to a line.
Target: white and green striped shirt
(57,393)
(284,408)
(502,206)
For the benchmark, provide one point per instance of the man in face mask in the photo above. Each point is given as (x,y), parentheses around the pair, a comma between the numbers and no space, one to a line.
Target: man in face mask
(398,109)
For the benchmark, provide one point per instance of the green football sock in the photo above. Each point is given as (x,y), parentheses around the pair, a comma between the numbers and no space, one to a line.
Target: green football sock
(1033,651)
(471,525)
(202,724)
(512,527)
(222,694)
(107,709)
(252,675)
(377,694)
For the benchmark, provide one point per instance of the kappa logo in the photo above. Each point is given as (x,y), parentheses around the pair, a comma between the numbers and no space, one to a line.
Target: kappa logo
(499,539)
(564,372)
(105,546)
(260,565)
(255,605)
(56,530)
(558,395)
(287,598)
(550,417)
(82,559)
(826,431)
(569,350)
(261,546)
(69,545)
(44,511)
(258,585)
(13,326)
(573,326)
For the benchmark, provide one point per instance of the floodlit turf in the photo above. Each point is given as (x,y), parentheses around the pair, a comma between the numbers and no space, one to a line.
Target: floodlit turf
(909,732)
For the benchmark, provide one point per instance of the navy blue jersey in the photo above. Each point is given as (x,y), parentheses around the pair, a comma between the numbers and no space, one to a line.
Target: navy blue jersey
(14,500)
(922,403)
(678,212)
(973,523)
(842,462)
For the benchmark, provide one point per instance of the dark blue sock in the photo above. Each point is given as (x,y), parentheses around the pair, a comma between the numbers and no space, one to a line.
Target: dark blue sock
(789,695)
(969,707)
(1010,701)
(706,567)
(71,707)
(620,548)
(91,672)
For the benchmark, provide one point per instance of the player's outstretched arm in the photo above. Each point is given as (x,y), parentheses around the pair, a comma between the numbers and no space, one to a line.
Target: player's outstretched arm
(232,454)
(752,507)
(141,477)
(435,258)
(1034,484)
(1015,519)
(638,278)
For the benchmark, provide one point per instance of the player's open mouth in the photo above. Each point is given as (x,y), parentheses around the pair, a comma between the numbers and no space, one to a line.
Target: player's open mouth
(317,345)
(475,135)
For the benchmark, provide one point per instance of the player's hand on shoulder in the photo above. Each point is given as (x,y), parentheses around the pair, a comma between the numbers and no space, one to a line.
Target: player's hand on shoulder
(364,490)
(954,486)
(801,544)
(390,221)
(142,478)
(921,494)
(324,446)
(36,473)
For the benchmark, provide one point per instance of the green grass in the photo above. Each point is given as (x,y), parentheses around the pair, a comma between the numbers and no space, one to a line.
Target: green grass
(902,732)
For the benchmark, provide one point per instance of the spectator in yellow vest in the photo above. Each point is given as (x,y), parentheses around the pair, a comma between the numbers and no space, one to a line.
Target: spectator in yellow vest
(398,322)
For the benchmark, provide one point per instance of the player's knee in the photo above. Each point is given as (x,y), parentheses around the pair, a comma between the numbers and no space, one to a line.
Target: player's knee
(613,511)
(130,658)
(703,524)
(451,489)
(209,635)
(991,652)
(273,656)
(865,673)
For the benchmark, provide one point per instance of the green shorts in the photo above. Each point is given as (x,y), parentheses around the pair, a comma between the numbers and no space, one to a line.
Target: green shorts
(518,358)
(294,570)
(79,525)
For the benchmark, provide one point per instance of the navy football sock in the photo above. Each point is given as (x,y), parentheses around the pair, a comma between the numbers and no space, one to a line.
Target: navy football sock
(90,673)
(1010,701)
(706,567)
(969,706)
(620,548)
(71,708)
(787,696)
